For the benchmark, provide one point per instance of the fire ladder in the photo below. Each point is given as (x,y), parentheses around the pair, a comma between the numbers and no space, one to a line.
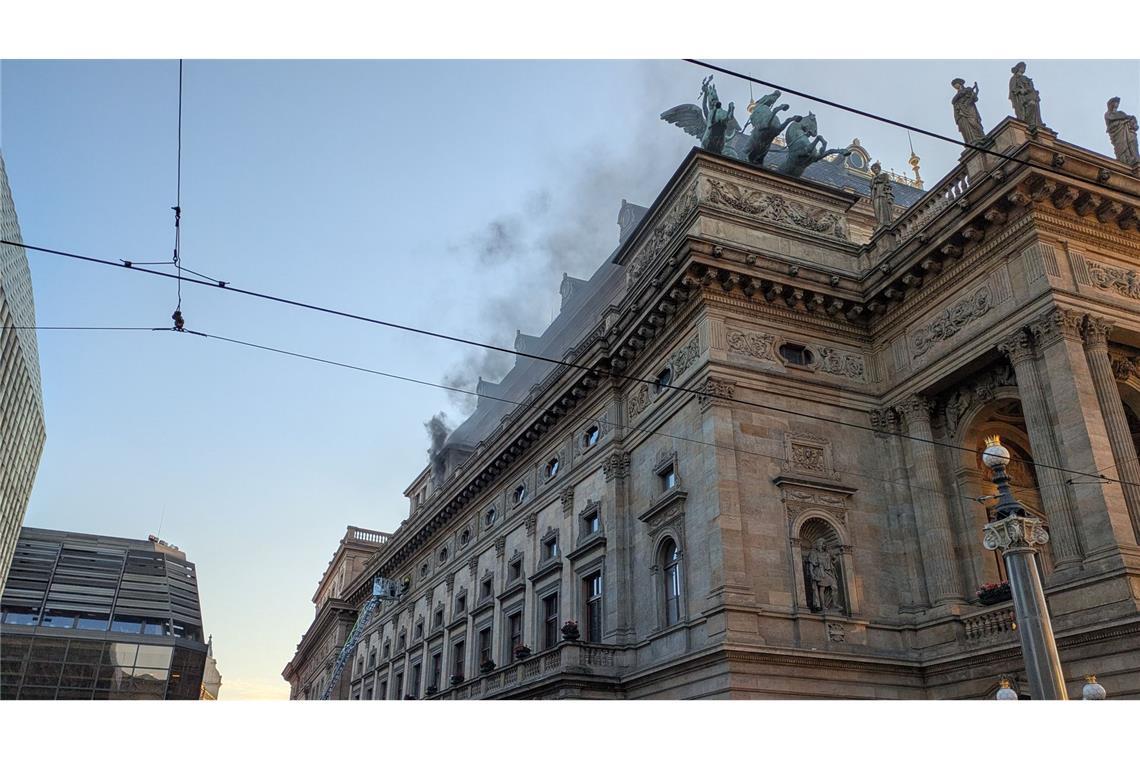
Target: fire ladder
(382,590)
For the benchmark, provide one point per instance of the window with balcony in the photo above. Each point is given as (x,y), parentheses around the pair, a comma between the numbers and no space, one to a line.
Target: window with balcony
(550,624)
(414,683)
(514,634)
(436,670)
(485,646)
(458,653)
(592,593)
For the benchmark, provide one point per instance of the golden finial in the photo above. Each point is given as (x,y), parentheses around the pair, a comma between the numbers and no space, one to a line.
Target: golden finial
(993,440)
(913,161)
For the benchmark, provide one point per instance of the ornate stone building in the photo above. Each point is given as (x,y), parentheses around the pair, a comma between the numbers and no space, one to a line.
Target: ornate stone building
(21,400)
(795,507)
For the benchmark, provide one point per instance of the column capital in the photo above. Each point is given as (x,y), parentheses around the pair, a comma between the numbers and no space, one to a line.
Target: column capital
(1015,532)
(1124,367)
(1056,324)
(1096,331)
(884,420)
(1016,346)
(915,408)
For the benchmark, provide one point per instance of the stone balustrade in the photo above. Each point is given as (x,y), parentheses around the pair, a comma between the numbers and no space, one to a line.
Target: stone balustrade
(367,536)
(568,657)
(990,624)
(946,193)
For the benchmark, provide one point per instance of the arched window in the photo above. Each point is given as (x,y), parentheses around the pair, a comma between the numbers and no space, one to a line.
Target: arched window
(671,578)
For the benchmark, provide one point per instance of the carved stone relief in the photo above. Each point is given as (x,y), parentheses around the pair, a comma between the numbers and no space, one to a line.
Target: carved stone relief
(952,320)
(662,233)
(807,454)
(777,209)
(684,356)
(1123,282)
(754,344)
(637,401)
(843,363)
(976,390)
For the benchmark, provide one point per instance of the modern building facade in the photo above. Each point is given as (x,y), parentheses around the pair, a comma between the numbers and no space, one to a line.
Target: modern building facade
(21,400)
(96,617)
(792,506)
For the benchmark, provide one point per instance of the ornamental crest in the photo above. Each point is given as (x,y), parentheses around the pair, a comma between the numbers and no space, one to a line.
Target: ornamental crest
(952,320)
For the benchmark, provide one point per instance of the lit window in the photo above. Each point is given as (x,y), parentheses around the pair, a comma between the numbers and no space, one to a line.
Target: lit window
(552,468)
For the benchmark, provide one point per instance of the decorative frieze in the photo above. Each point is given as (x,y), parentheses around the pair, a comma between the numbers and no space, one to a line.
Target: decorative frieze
(952,320)
(616,466)
(843,363)
(758,345)
(662,233)
(637,401)
(567,499)
(1122,282)
(807,454)
(715,391)
(775,208)
(684,356)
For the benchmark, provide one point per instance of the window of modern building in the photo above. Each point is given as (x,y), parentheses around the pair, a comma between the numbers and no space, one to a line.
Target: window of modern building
(436,670)
(796,354)
(669,477)
(21,616)
(514,634)
(590,437)
(551,468)
(519,496)
(671,561)
(592,593)
(485,646)
(550,625)
(550,548)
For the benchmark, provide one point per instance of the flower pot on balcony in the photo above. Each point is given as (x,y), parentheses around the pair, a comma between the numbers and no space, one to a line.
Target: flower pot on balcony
(456,680)
(994,594)
(570,632)
(487,666)
(521,652)
(431,691)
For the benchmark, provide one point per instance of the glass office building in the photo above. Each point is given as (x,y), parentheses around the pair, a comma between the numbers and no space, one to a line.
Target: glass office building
(96,617)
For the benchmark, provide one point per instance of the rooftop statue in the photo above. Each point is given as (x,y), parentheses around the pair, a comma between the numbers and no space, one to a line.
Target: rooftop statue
(766,126)
(716,127)
(1025,98)
(882,196)
(1121,130)
(805,147)
(966,114)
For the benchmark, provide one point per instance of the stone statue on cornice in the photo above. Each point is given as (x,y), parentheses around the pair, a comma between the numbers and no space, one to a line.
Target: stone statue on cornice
(805,147)
(766,126)
(715,126)
(966,114)
(882,195)
(1121,130)
(1025,98)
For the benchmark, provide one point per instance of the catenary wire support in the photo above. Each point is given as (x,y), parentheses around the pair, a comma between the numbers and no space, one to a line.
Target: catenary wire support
(179,321)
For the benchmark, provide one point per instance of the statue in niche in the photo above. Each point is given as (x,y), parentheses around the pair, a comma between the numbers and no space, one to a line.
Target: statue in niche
(716,127)
(882,196)
(821,572)
(1121,130)
(805,147)
(766,126)
(1025,98)
(966,114)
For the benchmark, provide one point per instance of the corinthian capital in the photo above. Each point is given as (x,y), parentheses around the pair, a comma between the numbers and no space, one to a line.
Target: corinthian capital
(1013,533)
(1016,346)
(1056,324)
(1096,331)
(916,409)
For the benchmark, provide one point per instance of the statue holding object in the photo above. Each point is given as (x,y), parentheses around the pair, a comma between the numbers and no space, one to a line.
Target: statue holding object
(805,147)
(1121,129)
(882,195)
(1025,98)
(966,114)
(716,127)
(766,126)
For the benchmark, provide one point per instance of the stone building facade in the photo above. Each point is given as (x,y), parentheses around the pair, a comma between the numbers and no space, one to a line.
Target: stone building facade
(21,400)
(792,505)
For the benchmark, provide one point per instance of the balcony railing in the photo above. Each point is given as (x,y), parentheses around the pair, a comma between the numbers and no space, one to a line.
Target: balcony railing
(367,536)
(569,657)
(989,626)
(947,192)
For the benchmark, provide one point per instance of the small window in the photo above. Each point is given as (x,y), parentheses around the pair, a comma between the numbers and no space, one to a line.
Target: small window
(515,570)
(372,659)
(552,468)
(461,603)
(443,555)
(437,618)
(486,588)
(402,642)
(419,631)
(424,570)
(796,354)
(465,538)
(590,437)
(519,495)
(387,649)
(591,523)
(489,517)
(663,379)
(550,548)
(669,477)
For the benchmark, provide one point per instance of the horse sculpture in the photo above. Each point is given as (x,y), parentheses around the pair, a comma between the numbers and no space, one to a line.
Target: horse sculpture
(805,147)
(766,126)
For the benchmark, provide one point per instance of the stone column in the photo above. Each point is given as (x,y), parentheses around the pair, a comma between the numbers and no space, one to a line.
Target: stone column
(1096,330)
(1082,440)
(912,591)
(931,512)
(619,554)
(1051,481)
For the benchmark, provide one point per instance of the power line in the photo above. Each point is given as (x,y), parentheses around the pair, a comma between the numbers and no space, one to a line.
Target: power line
(895,123)
(177,208)
(68,327)
(525,354)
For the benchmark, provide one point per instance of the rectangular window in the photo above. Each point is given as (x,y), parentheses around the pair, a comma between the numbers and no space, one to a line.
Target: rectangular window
(399,694)
(669,478)
(419,630)
(514,634)
(414,684)
(437,619)
(387,649)
(486,588)
(458,653)
(591,523)
(382,692)
(515,570)
(485,646)
(592,592)
(402,642)
(550,548)
(372,660)
(436,669)
(550,626)
(461,604)
(368,693)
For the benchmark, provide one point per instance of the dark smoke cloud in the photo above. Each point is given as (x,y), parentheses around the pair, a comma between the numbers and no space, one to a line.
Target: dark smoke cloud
(438,430)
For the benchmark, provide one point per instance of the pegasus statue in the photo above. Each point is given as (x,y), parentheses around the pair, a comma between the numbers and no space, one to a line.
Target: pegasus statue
(766,126)
(805,147)
(716,127)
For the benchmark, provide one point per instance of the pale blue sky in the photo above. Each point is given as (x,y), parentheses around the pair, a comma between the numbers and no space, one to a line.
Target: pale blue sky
(369,187)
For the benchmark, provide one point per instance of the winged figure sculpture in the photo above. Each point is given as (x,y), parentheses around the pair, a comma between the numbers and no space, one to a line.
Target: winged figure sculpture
(716,127)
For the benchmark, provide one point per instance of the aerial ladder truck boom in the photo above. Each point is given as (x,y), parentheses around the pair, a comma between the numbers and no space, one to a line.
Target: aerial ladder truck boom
(383,590)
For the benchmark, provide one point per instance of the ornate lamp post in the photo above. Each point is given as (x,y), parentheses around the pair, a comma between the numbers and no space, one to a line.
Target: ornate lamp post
(1018,535)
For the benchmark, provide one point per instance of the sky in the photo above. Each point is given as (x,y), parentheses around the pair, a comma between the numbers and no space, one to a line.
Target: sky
(448,195)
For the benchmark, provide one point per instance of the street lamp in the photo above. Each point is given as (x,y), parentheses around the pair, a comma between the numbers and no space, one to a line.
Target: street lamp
(1017,535)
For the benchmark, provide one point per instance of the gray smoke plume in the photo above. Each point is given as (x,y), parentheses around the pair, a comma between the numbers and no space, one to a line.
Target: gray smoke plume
(569,225)
(438,430)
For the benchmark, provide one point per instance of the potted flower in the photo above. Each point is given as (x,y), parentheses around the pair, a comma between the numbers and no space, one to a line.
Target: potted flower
(994,593)
(570,630)
(487,666)
(431,691)
(521,651)
(456,679)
